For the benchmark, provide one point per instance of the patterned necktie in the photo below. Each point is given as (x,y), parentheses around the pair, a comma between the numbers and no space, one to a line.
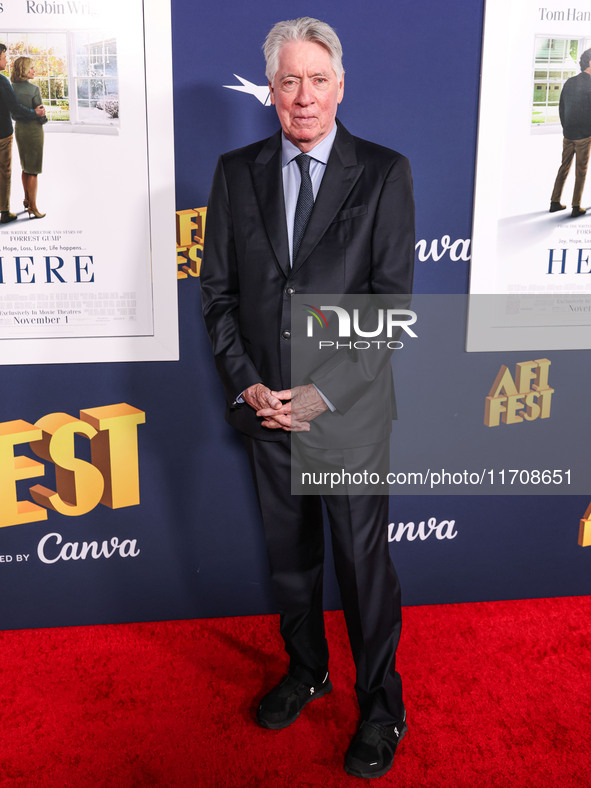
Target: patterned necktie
(304,204)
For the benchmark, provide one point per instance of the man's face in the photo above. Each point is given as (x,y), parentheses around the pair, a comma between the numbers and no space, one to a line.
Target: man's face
(306,93)
(3,61)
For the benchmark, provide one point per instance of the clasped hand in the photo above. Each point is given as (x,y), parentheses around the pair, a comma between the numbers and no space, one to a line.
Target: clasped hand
(291,410)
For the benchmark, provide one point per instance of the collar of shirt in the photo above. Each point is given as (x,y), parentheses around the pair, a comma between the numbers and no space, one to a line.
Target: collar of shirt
(291,175)
(319,152)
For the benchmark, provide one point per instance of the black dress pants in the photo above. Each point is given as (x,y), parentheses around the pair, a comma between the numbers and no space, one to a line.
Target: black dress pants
(370,591)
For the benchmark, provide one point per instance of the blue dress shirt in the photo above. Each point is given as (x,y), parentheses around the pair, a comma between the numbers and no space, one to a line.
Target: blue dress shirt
(292,178)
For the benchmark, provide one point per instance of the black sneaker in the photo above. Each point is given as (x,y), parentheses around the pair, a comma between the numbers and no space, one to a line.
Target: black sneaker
(282,706)
(578,211)
(6,217)
(371,753)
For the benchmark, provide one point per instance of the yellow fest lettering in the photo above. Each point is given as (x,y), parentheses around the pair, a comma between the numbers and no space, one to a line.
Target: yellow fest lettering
(190,231)
(13,468)
(525,398)
(114,451)
(585,529)
(111,478)
(79,485)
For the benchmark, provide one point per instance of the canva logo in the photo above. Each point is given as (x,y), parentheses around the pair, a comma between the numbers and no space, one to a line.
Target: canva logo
(50,549)
(385,323)
(445,529)
(457,250)
(110,478)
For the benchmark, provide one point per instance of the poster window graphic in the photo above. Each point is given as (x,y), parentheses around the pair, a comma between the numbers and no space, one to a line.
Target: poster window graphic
(93,279)
(538,262)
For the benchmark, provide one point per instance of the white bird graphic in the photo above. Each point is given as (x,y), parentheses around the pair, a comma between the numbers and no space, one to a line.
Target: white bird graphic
(260,92)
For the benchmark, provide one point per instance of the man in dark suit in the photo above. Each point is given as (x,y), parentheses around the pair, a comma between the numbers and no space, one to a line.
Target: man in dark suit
(339,219)
(575,117)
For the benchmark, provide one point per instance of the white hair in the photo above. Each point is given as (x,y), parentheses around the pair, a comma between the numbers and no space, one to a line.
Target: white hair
(303,29)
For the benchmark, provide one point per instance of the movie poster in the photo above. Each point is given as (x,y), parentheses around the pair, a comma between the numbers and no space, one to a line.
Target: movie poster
(87,267)
(535,261)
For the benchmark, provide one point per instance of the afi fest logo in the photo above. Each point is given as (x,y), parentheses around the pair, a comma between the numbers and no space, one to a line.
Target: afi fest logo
(389,323)
(526,397)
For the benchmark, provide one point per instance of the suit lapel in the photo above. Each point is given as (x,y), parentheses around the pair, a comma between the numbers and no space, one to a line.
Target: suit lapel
(342,173)
(268,185)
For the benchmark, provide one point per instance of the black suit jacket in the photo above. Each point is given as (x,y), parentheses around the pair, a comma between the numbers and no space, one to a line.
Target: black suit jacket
(359,239)
(575,107)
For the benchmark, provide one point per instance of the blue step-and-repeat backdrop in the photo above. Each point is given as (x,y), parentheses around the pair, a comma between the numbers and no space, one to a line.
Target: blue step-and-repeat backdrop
(178,535)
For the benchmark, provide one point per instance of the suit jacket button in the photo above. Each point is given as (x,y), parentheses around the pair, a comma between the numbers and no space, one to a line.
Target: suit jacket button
(286,334)
(290,291)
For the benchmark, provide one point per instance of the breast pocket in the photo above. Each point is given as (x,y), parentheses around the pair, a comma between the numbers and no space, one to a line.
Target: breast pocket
(350,213)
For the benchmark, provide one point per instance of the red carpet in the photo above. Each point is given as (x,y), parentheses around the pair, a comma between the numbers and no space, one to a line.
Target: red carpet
(498,694)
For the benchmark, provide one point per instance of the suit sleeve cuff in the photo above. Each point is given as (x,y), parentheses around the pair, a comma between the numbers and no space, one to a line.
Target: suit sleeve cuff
(328,403)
